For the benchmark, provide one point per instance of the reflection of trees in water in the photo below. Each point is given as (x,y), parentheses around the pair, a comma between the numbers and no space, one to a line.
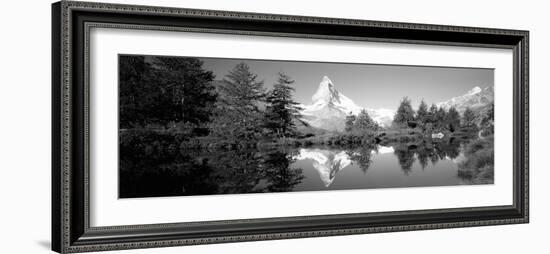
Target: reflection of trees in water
(405,157)
(238,172)
(154,166)
(142,177)
(423,156)
(451,148)
(363,156)
(407,154)
(205,172)
(278,172)
(426,151)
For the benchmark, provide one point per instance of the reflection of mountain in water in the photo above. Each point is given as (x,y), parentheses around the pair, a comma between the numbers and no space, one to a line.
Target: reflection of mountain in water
(383,150)
(327,163)
(159,171)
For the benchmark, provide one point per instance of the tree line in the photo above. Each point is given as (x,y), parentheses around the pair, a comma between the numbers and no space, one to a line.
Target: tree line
(430,119)
(362,123)
(246,111)
(178,94)
(433,118)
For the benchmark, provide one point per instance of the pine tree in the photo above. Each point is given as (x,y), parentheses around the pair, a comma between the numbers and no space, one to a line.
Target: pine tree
(488,121)
(431,118)
(281,109)
(365,123)
(469,118)
(350,120)
(241,88)
(404,114)
(422,113)
(440,118)
(189,89)
(237,113)
(452,119)
(134,86)
(432,113)
(164,90)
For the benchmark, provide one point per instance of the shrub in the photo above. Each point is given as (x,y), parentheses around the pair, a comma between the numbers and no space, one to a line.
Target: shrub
(478,167)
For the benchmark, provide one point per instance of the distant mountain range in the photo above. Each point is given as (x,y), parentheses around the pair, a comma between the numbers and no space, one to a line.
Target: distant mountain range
(476,98)
(329,109)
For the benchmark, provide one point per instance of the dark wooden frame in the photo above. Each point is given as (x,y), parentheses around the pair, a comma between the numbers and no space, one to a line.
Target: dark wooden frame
(71,22)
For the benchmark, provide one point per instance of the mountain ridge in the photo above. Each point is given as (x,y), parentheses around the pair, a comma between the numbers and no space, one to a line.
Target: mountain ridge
(330,107)
(475,98)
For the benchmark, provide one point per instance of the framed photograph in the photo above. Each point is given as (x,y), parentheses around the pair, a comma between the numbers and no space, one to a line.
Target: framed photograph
(181,126)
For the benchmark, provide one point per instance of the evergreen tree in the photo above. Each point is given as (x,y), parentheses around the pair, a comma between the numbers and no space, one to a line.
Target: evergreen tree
(281,109)
(488,121)
(452,119)
(431,118)
(135,87)
(469,118)
(440,118)
(189,89)
(422,113)
(237,113)
(350,120)
(432,113)
(164,90)
(241,88)
(404,114)
(365,123)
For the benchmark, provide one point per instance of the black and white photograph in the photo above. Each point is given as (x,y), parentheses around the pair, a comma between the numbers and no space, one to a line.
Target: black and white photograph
(247,127)
(201,126)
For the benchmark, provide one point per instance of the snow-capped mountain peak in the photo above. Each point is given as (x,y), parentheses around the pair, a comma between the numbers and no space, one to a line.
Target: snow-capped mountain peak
(475,98)
(329,108)
(474,90)
(325,92)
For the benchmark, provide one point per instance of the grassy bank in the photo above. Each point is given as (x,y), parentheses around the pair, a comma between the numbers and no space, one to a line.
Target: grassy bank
(161,141)
(478,166)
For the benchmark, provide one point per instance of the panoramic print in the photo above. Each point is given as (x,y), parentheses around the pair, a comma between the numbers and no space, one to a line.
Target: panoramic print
(202,126)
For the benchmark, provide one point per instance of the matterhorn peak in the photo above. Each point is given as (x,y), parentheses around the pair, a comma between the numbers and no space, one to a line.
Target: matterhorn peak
(326,80)
(330,109)
(326,91)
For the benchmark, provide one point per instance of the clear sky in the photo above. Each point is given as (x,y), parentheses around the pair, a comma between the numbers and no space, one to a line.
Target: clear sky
(368,85)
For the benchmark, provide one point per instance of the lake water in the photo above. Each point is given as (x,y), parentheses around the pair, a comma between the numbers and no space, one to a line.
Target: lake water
(335,170)
(292,169)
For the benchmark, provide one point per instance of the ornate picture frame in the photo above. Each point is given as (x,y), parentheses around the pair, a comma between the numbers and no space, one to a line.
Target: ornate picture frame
(71,228)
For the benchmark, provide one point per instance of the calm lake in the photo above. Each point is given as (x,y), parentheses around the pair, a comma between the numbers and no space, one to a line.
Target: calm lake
(292,169)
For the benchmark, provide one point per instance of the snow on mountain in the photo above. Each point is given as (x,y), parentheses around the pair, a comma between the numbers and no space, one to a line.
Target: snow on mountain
(382,116)
(329,109)
(475,98)
(327,163)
